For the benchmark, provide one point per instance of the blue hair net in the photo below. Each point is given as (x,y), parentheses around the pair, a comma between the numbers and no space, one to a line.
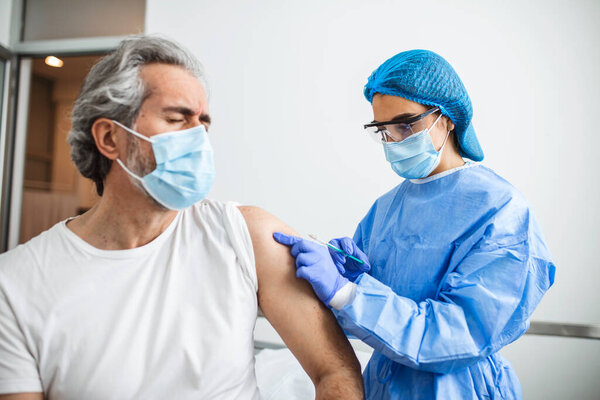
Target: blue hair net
(425,77)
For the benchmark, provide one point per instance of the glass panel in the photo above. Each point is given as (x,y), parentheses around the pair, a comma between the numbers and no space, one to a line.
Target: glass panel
(66,19)
(53,189)
(40,126)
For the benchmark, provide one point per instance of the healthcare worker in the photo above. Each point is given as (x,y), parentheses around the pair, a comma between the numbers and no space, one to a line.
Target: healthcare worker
(453,262)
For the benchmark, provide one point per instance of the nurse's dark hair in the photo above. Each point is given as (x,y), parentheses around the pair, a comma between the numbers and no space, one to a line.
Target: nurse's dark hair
(113,89)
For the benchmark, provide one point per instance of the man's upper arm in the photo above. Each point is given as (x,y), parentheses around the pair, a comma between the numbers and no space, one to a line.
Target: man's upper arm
(307,327)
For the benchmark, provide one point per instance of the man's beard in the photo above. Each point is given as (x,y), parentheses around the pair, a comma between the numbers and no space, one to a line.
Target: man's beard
(140,165)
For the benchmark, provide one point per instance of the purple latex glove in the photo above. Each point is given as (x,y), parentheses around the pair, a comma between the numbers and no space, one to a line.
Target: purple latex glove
(314,264)
(349,268)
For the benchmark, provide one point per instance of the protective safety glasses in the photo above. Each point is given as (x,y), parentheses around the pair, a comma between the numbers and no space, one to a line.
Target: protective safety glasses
(399,129)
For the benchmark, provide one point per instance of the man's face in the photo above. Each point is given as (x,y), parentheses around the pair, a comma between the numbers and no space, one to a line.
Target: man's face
(176,100)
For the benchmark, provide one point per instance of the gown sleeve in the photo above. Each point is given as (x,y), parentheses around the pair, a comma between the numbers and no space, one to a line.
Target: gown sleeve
(484,302)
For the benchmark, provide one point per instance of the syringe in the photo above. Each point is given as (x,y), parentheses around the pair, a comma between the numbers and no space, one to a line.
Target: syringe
(316,239)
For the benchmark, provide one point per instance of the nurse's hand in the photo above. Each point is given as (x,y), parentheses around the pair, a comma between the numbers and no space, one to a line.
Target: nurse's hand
(347,266)
(314,264)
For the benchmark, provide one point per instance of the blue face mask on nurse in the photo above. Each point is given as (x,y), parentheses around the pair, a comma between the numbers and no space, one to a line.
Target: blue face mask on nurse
(411,140)
(451,261)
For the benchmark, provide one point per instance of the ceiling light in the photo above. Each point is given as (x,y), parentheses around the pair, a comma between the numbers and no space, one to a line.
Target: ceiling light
(54,62)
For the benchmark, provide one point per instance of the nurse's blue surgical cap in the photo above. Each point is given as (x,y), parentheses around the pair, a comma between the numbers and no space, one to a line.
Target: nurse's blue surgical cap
(425,77)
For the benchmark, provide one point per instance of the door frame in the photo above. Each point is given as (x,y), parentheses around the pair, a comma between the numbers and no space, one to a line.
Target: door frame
(6,138)
(14,122)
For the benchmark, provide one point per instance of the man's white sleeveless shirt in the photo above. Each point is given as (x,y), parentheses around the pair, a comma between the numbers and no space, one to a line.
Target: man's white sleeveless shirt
(172,319)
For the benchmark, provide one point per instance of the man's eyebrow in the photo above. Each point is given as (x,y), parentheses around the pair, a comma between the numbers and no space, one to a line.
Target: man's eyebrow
(188,112)
(181,110)
(205,118)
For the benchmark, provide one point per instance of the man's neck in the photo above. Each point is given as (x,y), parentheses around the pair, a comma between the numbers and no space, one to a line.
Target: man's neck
(118,224)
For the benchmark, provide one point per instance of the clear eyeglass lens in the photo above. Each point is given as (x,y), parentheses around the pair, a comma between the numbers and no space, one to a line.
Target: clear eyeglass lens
(398,132)
(375,133)
(389,133)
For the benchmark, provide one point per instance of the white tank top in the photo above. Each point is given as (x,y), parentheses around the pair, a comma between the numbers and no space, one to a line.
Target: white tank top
(173,319)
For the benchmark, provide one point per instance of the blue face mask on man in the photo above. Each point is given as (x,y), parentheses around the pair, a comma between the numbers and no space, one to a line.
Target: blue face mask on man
(414,157)
(185,168)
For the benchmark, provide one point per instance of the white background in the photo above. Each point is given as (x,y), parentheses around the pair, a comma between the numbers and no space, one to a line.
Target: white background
(286,81)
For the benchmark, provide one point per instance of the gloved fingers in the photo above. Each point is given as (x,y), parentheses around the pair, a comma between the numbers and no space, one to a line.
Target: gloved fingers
(366,267)
(356,252)
(303,273)
(344,244)
(299,245)
(363,257)
(335,243)
(347,245)
(306,259)
(337,256)
(304,246)
(287,240)
(338,260)
(340,268)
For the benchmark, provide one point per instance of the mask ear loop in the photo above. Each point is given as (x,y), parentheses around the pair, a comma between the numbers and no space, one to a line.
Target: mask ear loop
(447,135)
(133,132)
(128,170)
(444,144)
(119,160)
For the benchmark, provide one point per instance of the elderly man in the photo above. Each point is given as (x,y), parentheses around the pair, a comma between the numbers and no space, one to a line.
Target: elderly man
(153,294)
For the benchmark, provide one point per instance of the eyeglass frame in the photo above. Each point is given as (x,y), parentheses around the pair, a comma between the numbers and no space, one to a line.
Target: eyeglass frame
(406,121)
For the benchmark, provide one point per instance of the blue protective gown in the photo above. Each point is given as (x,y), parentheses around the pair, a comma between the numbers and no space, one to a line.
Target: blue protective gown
(458,266)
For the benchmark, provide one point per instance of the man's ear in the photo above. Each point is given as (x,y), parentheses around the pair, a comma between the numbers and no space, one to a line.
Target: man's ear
(106,138)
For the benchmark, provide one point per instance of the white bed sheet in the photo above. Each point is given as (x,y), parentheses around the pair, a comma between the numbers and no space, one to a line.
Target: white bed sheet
(280,376)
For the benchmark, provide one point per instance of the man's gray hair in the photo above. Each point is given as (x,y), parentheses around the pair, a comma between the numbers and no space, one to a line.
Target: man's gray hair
(113,89)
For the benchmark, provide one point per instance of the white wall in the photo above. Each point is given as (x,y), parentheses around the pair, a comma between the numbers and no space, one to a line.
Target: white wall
(5,14)
(286,82)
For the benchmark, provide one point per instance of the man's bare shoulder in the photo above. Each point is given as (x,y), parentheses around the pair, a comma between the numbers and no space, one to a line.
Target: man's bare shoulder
(261,226)
(255,215)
